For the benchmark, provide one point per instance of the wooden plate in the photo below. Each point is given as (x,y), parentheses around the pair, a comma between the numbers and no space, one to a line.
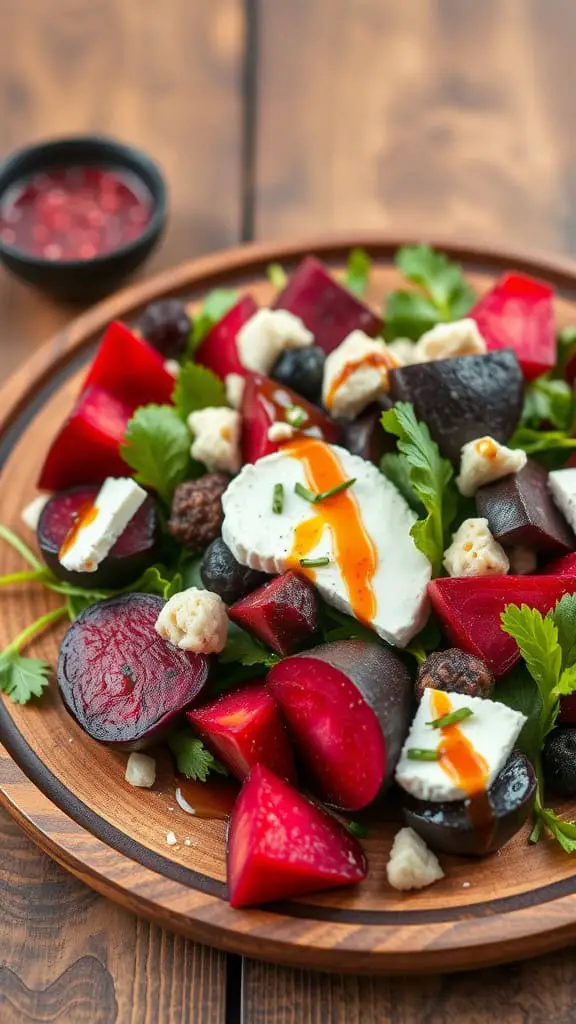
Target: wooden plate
(69,793)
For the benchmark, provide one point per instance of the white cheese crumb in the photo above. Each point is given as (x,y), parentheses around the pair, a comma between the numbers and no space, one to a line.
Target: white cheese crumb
(474,552)
(115,505)
(30,515)
(216,441)
(445,341)
(484,460)
(266,335)
(187,842)
(234,385)
(562,484)
(279,432)
(412,865)
(194,620)
(355,374)
(172,366)
(523,561)
(405,351)
(171,839)
(466,885)
(141,771)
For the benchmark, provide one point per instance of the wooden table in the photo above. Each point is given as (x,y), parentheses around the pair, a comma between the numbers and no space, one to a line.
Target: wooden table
(276,118)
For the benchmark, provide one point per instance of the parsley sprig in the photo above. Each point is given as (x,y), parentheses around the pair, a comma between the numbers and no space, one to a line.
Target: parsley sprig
(444,294)
(192,758)
(23,678)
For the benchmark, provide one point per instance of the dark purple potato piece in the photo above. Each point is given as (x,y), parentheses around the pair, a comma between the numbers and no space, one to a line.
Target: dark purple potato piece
(347,706)
(473,828)
(520,510)
(132,553)
(463,398)
(365,435)
(120,680)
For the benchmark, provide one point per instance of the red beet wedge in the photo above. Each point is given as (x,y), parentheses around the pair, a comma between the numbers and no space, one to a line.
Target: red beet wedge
(86,450)
(280,845)
(564,566)
(129,368)
(218,351)
(265,402)
(520,510)
(517,313)
(347,705)
(120,680)
(328,309)
(132,553)
(469,610)
(283,614)
(244,729)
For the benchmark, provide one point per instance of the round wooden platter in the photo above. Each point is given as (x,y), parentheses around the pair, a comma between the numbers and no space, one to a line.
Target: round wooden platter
(69,793)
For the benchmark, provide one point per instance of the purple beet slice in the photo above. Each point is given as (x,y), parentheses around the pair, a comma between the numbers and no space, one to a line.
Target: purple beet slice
(119,679)
(132,553)
(283,614)
(347,705)
(520,510)
(281,845)
(463,398)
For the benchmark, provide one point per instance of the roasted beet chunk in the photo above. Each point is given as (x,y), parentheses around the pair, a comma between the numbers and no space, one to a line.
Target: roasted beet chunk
(454,671)
(132,553)
(120,680)
(365,435)
(166,326)
(282,614)
(196,518)
(520,510)
(223,575)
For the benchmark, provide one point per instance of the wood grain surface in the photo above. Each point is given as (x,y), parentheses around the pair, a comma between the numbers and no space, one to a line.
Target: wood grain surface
(447,116)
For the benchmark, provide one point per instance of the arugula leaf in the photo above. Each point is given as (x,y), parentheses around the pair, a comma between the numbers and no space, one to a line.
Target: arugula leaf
(446,293)
(430,476)
(548,401)
(216,304)
(241,647)
(197,387)
(157,579)
(397,470)
(157,446)
(276,275)
(358,272)
(519,691)
(192,758)
(23,678)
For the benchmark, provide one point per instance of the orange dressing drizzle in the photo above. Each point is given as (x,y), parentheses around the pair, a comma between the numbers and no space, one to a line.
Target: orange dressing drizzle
(383,360)
(353,548)
(86,514)
(465,766)
(486,448)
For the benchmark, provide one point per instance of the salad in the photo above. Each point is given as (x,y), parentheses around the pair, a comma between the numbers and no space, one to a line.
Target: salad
(330,554)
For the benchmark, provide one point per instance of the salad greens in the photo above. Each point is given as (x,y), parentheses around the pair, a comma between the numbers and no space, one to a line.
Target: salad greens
(192,758)
(157,447)
(276,275)
(444,293)
(216,304)
(358,272)
(197,388)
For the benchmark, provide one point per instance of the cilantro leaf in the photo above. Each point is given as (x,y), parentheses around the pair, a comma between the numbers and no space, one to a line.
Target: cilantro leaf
(537,639)
(241,647)
(548,401)
(397,470)
(157,446)
(276,275)
(566,684)
(564,618)
(430,476)
(216,304)
(445,295)
(22,678)
(196,388)
(358,272)
(409,315)
(192,758)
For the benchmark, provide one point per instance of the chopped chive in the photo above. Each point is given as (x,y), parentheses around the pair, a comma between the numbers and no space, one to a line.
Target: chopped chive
(419,754)
(278,499)
(305,493)
(296,416)
(314,563)
(356,828)
(310,496)
(455,716)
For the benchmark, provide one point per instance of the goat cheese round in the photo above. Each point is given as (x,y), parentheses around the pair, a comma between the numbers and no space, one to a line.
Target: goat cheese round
(411,865)
(484,460)
(475,552)
(562,484)
(264,540)
(216,441)
(445,341)
(355,374)
(194,620)
(266,335)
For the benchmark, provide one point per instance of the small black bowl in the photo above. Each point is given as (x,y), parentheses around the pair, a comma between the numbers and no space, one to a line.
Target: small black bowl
(84,280)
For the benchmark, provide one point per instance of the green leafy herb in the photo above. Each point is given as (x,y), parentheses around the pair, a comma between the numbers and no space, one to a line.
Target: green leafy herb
(314,563)
(15,542)
(296,416)
(190,571)
(192,758)
(537,638)
(452,718)
(548,401)
(278,499)
(358,272)
(276,275)
(241,647)
(445,294)
(334,625)
(23,678)
(430,477)
(197,388)
(564,618)
(421,754)
(216,304)
(157,447)
(566,348)
(543,442)
(397,470)
(563,831)
(315,497)
(356,828)
(157,579)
